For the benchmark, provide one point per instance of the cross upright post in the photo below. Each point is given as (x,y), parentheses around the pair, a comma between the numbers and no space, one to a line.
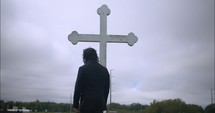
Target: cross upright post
(103,38)
(103,11)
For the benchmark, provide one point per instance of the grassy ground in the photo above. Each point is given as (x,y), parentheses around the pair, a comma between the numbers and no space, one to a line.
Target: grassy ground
(118,111)
(53,112)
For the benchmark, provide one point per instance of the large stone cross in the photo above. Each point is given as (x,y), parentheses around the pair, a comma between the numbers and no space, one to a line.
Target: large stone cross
(103,38)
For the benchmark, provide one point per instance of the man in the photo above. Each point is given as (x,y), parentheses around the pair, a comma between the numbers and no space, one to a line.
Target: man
(92,85)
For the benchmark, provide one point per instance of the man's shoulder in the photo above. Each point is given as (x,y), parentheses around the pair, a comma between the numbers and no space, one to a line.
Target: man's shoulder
(94,64)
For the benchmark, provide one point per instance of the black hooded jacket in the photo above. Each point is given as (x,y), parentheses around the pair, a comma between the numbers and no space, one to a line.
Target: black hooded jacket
(92,87)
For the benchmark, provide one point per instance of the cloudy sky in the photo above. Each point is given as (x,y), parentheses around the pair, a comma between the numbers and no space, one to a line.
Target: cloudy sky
(173,58)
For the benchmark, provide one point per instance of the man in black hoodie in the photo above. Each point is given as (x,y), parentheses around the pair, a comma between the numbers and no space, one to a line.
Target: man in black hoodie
(92,85)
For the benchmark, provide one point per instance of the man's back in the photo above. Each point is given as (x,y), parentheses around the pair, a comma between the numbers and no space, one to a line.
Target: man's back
(95,77)
(92,86)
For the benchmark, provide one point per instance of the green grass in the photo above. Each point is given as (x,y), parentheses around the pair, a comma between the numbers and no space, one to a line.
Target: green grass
(53,112)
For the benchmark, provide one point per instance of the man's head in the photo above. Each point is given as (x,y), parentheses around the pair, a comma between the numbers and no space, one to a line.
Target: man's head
(89,54)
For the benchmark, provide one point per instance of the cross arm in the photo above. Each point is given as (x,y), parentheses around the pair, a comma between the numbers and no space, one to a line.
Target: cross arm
(74,37)
(131,39)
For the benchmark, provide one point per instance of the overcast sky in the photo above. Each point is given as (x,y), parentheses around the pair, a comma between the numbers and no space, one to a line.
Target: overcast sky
(173,58)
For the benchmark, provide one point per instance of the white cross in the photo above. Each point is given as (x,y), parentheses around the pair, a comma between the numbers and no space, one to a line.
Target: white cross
(103,38)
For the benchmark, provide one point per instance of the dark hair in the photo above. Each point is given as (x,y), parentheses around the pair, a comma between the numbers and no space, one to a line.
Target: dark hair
(89,54)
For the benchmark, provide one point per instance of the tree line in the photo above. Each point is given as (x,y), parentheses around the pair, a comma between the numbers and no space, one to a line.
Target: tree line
(165,106)
(36,106)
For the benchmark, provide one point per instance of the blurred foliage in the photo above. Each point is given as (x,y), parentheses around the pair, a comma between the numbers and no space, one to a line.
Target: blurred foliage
(165,106)
(37,106)
(210,108)
(173,106)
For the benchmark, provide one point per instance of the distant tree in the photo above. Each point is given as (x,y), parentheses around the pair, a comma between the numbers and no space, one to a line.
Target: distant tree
(44,106)
(9,104)
(191,108)
(167,106)
(31,106)
(210,108)
(132,108)
(136,107)
(36,106)
(19,105)
(114,106)
(66,107)
(1,104)
(52,107)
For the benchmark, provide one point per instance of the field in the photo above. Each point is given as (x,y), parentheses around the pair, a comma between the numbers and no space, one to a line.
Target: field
(120,111)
